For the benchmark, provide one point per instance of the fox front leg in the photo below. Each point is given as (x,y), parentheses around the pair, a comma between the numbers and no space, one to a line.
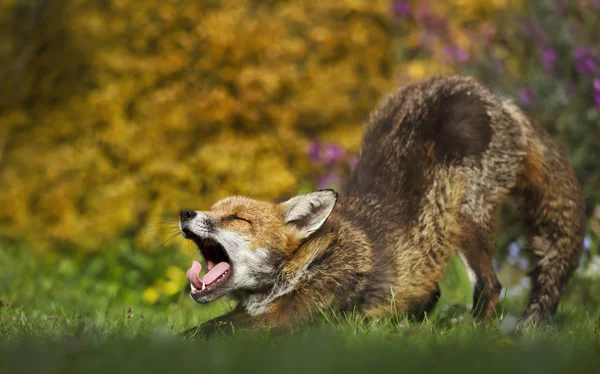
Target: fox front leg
(228,324)
(225,324)
(280,318)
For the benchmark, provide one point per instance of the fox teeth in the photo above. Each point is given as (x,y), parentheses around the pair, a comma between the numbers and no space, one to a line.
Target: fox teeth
(203,286)
(193,288)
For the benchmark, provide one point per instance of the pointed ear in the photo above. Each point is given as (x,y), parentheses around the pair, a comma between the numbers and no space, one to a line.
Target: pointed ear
(307,213)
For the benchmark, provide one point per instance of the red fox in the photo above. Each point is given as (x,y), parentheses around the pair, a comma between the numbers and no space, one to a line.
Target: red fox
(438,160)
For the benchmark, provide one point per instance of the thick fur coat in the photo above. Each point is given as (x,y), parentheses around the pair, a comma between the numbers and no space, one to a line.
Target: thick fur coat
(438,161)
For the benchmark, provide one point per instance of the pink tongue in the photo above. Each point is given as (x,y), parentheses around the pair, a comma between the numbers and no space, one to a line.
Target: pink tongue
(214,273)
(193,273)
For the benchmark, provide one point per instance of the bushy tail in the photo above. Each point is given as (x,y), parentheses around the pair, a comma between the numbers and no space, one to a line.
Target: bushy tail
(553,215)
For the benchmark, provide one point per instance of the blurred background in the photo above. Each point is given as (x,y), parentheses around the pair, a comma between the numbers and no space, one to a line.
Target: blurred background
(116,114)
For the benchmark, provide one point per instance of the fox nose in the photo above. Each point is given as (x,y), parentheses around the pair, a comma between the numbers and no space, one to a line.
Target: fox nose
(187,215)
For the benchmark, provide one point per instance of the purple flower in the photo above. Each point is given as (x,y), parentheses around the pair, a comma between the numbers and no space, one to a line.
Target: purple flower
(596,87)
(514,291)
(332,154)
(461,54)
(352,162)
(571,90)
(327,181)
(513,249)
(580,268)
(585,63)
(559,3)
(559,11)
(430,20)
(587,243)
(549,58)
(496,265)
(455,53)
(423,11)
(449,51)
(525,282)
(328,155)
(513,253)
(497,65)
(527,96)
(575,30)
(523,264)
(314,152)
(534,31)
(401,8)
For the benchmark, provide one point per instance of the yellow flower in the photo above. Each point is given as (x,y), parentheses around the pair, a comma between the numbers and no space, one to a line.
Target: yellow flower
(175,274)
(171,287)
(416,69)
(151,295)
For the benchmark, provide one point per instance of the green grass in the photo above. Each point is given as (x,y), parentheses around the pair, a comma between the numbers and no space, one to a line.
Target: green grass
(57,328)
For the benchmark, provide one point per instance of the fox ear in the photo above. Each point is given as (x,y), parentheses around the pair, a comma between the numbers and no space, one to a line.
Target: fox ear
(307,213)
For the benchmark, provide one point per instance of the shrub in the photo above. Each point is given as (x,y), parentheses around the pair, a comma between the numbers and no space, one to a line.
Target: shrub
(118,114)
(544,54)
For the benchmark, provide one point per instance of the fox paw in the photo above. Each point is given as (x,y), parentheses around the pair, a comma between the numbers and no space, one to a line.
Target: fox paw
(208,330)
(532,321)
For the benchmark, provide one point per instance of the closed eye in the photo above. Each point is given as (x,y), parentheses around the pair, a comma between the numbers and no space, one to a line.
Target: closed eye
(236,217)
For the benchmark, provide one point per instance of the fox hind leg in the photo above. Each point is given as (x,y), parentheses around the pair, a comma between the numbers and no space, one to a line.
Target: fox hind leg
(477,255)
(553,215)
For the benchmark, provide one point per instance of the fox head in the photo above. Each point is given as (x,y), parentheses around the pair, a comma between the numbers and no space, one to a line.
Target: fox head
(244,241)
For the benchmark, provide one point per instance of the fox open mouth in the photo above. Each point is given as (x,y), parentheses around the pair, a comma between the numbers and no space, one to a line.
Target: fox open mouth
(218,267)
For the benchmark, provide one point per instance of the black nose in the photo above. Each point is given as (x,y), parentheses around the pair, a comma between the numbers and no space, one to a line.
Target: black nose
(187,215)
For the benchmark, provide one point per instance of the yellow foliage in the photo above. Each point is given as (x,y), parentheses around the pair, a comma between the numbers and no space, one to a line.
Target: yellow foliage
(171,288)
(173,282)
(120,113)
(455,23)
(151,295)
(175,274)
